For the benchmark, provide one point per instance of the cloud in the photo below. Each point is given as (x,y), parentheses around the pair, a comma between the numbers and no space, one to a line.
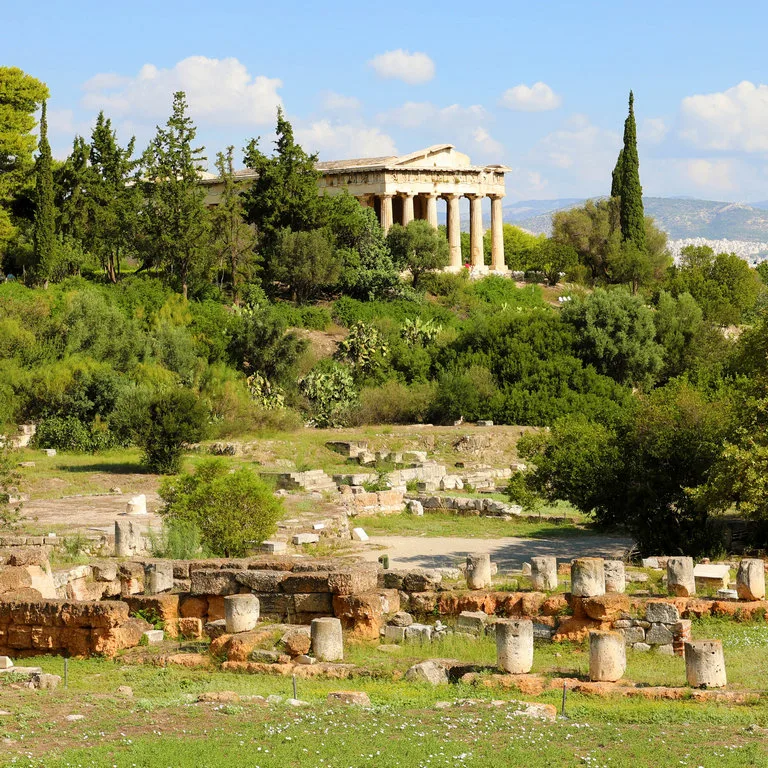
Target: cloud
(538,98)
(219,92)
(411,68)
(486,145)
(341,141)
(337,102)
(710,174)
(413,114)
(653,130)
(735,119)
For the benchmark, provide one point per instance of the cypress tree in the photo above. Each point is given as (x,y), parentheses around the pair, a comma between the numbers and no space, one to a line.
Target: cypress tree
(45,208)
(631,214)
(616,175)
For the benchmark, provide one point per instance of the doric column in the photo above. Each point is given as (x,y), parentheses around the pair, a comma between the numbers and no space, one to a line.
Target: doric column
(386,212)
(497,235)
(476,230)
(432,209)
(407,208)
(454,231)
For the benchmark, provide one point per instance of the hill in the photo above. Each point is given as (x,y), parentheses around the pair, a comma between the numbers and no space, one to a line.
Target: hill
(679,217)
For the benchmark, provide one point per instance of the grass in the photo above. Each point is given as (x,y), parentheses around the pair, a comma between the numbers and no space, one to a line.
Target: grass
(449,523)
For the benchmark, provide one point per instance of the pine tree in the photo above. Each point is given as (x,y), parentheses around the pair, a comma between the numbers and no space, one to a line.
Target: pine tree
(631,214)
(174,219)
(45,210)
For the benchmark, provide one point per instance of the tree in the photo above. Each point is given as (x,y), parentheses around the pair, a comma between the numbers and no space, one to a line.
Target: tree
(171,420)
(679,325)
(233,511)
(45,208)
(174,219)
(20,96)
(553,259)
(520,247)
(233,239)
(626,184)
(284,192)
(616,334)
(418,247)
(306,262)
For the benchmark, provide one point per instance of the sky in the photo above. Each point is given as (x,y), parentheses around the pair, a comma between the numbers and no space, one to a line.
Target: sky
(541,87)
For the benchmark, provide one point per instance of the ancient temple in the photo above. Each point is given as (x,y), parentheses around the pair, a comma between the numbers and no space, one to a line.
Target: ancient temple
(406,187)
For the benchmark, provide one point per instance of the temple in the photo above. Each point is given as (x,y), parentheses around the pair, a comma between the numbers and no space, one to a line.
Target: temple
(406,187)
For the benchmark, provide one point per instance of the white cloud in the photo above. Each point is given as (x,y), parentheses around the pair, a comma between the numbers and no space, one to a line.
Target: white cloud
(340,141)
(735,119)
(486,145)
(412,114)
(710,174)
(219,92)
(411,68)
(653,130)
(337,102)
(538,98)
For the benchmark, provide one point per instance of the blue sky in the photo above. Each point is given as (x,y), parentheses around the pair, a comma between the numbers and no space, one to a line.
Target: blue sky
(541,87)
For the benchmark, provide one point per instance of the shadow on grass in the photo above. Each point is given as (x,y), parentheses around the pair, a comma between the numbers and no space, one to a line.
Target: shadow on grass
(118,468)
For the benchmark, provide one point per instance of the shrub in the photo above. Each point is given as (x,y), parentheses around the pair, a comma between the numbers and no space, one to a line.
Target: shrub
(394,403)
(72,434)
(331,393)
(170,420)
(233,511)
(179,539)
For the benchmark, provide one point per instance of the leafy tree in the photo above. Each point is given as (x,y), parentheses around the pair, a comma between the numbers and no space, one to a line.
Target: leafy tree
(284,192)
(20,96)
(418,247)
(233,239)
(306,262)
(520,247)
(233,511)
(171,420)
(174,219)
(331,393)
(45,208)
(553,258)
(626,184)
(616,334)
(679,325)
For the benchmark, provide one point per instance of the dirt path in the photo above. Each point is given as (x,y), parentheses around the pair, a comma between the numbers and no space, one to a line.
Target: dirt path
(509,553)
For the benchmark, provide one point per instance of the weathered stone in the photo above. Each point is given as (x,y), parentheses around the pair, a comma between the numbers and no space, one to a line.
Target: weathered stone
(429,671)
(705,664)
(241,613)
(711,576)
(137,505)
(587,577)
(260,581)
(472,622)
(297,641)
(641,647)
(607,656)
(394,634)
(353,580)
(680,578)
(615,578)
(750,579)
(514,645)
(215,629)
(327,639)
(158,577)
(306,538)
(544,573)
(154,636)
(478,571)
(401,619)
(605,607)
(421,580)
(354,698)
(302,583)
(658,634)
(420,633)
(104,570)
(361,615)
(214,582)
(661,612)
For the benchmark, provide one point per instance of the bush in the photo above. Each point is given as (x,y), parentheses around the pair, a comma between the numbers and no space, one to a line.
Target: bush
(330,390)
(170,420)
(394,403)
(179,539)
(71,434)
(232,511)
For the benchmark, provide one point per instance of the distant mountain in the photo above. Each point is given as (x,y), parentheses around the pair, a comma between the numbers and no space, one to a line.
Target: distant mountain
(679,217)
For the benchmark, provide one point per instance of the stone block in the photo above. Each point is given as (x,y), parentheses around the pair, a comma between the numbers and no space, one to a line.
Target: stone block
(661,612)
(154,636)
(261,581)
(274,547)
(394,634)
(472,622)
(214,582)
(313,602)
(349,698)
(750,579)
(606,607)
(641,647)
(360,614)
(711,576)
(420,633)
(658,634)
(358,534)
(301,583)
(421,580)
(158,577)
(430,671)
(305,538)
(353,580)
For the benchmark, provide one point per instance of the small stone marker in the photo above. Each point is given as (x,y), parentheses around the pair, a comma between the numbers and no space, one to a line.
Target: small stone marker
(50,452)
(705,664)
(305,538)
(274,547)
(137,505)
(154,636)
(6,662)
(358,534)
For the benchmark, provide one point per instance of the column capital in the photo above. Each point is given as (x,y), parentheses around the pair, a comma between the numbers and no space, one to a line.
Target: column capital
(449,195)
(496,195)
(404,194)
(430,195)
(473,195)
(390,195)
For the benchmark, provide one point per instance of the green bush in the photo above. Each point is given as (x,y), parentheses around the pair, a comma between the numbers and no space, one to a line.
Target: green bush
(394,403)
(233,511)
(179,539)
(71,434)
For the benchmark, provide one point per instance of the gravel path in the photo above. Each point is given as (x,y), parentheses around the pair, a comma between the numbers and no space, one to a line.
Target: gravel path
(509,553)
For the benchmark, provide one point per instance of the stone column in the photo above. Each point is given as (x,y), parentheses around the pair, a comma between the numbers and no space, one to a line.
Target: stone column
(544,573)
(241,613)
(476,230)
(158,577)
(454,232)
(407,208)
(327,639)
(680,579)
(431,209)
(750,579)
(587,577)
(386,212)
(615,576)
(514,645)
(478,571)
(607,656)
(705,664)
(497,235)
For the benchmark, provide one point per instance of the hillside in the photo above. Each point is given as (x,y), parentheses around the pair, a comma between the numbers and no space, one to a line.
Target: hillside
(679,217)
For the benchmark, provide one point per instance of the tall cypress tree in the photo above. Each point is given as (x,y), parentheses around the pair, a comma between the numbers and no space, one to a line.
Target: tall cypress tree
(616,175)
(631,213)
(45,210)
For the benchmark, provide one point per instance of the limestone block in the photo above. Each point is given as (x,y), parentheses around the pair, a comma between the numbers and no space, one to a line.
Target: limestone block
(680,578)
(158,577)
(394,634)
(421,580)
(274,547)
(327,639)
(705,664)
(129,540)
(633,635)
(430,671)
(401,619)
(358,534)
(478,571)
(137,505)
(661,612)
(6,662)
(261,581)
(415,508)
(615,577)
(353,580)
(641,647)
(353,698)
(607,656)
(544,573)
(606,607)
(45,682)
(302,583)
(305,538)
(313,602)
(214,582)
(514,645)
(711,576)
(587,577)
(658,634)
(241,613)
(104,570)
(472,622)
(419,633)
(360,614)
(750,579)
(154,636)
(215,629)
